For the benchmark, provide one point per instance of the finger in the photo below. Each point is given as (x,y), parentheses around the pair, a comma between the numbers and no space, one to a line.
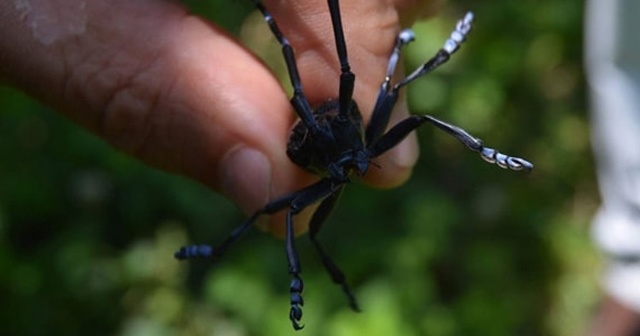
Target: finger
(161,85)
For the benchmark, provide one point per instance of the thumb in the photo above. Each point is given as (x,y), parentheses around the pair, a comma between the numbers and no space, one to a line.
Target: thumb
(159,84)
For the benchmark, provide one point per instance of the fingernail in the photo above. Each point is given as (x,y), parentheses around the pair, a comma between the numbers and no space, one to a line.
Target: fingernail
(245,178)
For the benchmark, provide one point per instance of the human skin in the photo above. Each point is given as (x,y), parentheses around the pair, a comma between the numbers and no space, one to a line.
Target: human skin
(179,94)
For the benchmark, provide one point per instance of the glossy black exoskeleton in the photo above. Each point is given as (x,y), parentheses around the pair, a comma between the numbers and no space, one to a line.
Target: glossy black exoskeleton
(331,141)
(322,157)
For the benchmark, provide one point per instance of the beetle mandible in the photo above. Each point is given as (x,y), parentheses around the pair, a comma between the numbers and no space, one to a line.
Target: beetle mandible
(330,140)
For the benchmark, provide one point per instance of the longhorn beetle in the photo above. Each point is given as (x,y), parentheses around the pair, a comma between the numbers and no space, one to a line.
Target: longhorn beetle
(329,140)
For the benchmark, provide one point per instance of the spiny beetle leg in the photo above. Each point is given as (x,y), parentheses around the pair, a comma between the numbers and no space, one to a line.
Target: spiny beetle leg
(403,128)
(318,218)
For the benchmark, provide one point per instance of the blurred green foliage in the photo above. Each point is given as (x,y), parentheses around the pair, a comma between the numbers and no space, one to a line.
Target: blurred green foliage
(87,234)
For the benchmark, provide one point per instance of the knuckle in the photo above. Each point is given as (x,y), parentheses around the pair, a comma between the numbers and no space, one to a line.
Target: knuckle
(127,116)
(122,94)
(116,75)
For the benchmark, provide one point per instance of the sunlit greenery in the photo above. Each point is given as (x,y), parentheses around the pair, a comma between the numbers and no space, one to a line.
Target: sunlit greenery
(87,234)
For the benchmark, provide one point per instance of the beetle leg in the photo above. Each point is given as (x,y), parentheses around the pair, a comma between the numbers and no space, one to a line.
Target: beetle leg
(299,100)
(451,45)
(386,98)
(320,190)
(206,251)
(389,95)
(317,220)
(296,202)
(403,128)
(296,286)
(347,78)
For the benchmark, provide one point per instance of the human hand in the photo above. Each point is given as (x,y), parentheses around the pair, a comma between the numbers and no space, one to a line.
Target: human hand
(179,94)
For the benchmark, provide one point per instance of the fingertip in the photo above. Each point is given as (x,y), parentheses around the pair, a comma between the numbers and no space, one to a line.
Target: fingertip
(394,167)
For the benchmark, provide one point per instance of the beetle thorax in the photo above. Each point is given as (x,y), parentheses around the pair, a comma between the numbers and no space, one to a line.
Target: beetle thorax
(337,150)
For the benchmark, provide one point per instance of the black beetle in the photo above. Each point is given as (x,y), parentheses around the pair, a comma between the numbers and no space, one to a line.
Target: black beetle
(331,141)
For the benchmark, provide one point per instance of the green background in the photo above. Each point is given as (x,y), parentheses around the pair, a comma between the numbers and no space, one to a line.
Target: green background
(463,248)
